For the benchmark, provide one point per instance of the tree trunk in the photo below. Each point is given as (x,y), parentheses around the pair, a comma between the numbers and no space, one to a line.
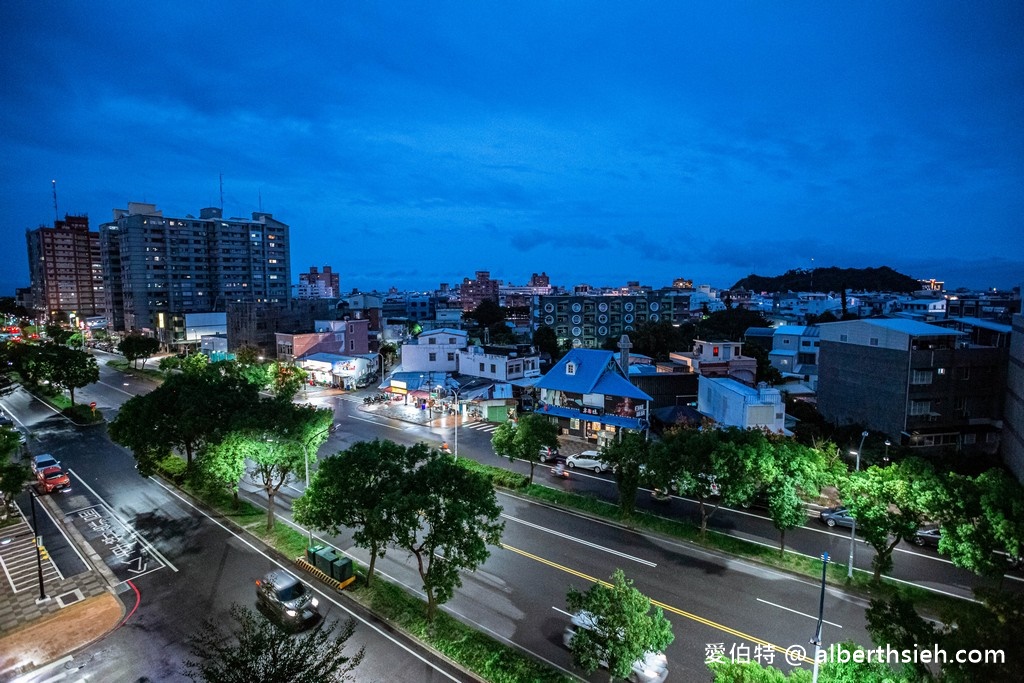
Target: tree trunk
(373,562)
(782,541)
(531,472)
(235,502)
(71,390)
(270,507)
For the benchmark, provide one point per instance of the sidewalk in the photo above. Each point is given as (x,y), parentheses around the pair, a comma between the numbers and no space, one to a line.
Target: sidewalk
(80,610)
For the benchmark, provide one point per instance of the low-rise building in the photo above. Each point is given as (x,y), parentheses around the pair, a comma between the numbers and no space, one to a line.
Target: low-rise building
(718,359)
(732,404)
(434,351)
(349,337)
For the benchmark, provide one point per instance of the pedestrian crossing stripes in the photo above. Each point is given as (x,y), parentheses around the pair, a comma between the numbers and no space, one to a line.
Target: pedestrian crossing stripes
(481,426)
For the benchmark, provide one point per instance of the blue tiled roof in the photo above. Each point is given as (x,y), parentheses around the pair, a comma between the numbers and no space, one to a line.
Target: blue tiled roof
(596,373)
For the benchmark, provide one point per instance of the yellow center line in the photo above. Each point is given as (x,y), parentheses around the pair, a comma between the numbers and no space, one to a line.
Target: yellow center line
(656,603)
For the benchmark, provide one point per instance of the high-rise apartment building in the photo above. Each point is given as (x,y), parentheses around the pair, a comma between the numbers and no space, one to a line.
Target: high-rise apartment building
(473,292)
(157,269)
(64,266)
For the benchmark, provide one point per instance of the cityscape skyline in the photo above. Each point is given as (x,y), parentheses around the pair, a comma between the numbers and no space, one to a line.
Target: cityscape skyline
(409,146)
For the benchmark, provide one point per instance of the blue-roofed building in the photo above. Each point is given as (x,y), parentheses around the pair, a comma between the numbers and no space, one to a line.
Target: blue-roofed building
(591,397)
(923,386)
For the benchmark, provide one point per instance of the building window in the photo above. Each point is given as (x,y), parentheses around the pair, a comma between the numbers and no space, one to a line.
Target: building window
(451,357)
(451,340)
(920,407)
(351,344)
(970,439)
(785,342)
(494,368)
(940,371)
(921,377)
(991,437)
(481,367)
(432,357)
(432,341)
(844,337)
(873,341)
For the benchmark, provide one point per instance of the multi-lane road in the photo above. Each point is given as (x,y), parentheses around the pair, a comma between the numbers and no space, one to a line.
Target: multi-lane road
(194,567)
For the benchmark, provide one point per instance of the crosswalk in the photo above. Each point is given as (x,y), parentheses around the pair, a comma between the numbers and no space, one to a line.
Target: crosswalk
(481,426)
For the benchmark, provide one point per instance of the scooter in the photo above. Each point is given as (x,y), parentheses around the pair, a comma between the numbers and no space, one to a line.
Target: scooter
(445,448)
(560,470)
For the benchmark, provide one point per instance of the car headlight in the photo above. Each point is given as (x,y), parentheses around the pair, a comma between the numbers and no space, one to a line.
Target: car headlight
(314,602)
(291,612)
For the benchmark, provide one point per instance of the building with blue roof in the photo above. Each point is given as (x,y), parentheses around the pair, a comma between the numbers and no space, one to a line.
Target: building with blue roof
(591,397)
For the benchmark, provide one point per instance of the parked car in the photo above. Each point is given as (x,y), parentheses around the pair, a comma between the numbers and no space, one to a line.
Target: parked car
(653,668)
(927,537)
(549,453)
(286,598)
(837,516)
(52,479)
(587,460)
(42,461)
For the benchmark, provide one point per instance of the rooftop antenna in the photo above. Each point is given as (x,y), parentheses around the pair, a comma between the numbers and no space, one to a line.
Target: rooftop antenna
(56,214)
(222,193)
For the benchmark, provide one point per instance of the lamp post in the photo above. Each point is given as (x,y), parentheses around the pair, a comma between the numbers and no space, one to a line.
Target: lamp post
(39,553)
(821,613)
(853,526)
(458,417)
(886,458)
(305,459)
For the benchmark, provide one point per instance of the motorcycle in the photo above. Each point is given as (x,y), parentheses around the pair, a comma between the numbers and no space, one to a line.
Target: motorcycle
(560,470)
(445,448)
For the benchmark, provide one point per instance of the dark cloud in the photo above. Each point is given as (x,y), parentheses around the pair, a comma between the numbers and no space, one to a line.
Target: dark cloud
(597,142)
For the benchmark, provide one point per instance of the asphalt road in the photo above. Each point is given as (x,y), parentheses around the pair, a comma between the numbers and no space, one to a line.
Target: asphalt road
(519,594)
(177,567)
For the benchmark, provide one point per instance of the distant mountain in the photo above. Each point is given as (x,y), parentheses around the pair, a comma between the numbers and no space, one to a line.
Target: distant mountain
(833,279)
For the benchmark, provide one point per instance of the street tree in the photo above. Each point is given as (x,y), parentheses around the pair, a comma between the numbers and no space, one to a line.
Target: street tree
(360,488)
(220,465)
(186,412)
(136,346)
(654,339)
(630,456)
(523,439)
(388,355)
(257,650)
(447,518)
(58,334)
(982,521)
(286,380)
(72,369)
(715,466)
(13,475)
(731,324)
(486,313)
(622,626)
(889,504)
(280,436)
(791,473)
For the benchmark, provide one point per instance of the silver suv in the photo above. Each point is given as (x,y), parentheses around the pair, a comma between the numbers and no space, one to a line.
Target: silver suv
(287,598)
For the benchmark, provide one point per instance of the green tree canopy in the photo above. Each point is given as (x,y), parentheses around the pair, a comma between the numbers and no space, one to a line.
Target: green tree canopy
(982,521)
(184,413)
(486,313)
(890,504)
(448,517)
(137,347)
(72,369)
(624,626)
(258,651)
(715,466)
(731,324)
(523,440)
(360,488)
(546,341)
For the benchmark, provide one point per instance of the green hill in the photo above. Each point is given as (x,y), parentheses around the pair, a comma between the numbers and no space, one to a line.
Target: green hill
(832,279)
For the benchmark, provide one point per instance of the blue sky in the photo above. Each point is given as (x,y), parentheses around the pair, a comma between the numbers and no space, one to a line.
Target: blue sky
(412,143)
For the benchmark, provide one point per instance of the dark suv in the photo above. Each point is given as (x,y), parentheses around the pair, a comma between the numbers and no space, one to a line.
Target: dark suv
(287,598)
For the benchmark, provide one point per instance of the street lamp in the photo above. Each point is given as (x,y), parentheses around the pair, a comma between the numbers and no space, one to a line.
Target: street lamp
(305,459)
(821,614)
(886,458)
(39,553)
(853,526)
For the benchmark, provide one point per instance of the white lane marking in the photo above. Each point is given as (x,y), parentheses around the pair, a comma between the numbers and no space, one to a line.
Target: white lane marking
(375,422)
(70,543)
(111,386)
(325,596)
(126,525)
(800,613)
(580,541)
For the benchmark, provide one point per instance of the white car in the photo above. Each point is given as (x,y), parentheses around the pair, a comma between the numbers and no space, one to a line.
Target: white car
(653,668)
(587,460)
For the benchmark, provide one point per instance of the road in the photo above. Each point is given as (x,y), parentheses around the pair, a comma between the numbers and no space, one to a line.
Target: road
(174,565)
(519,594)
